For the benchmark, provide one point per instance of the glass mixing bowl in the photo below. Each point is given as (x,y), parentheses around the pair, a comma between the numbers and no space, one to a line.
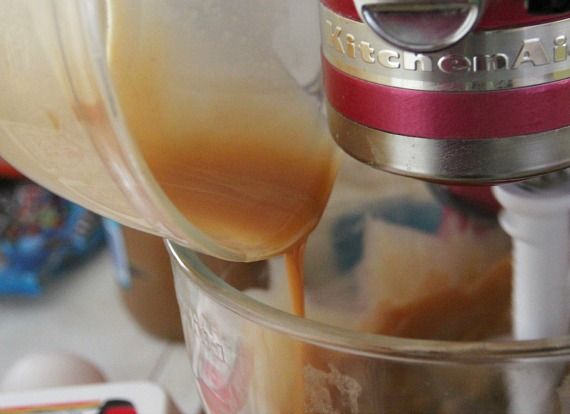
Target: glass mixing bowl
(408,311)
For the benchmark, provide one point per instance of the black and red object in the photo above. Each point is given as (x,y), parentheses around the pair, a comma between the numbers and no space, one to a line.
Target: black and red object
(453,92)
(118,407)
(9,172)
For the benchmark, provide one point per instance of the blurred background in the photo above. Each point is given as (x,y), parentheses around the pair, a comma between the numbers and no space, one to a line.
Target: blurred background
(76,288)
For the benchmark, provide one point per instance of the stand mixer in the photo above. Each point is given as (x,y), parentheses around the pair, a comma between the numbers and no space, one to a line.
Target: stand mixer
(448,91)
(465,93)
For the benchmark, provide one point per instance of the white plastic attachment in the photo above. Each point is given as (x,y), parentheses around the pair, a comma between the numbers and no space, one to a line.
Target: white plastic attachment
(538,220)
(537,216)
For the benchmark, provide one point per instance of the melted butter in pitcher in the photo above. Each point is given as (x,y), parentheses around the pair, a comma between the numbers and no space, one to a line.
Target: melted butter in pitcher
(240,150)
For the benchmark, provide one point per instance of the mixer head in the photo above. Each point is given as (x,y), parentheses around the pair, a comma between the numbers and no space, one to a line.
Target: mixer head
(465,92)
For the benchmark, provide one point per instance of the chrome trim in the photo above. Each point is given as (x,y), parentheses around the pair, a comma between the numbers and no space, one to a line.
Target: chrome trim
(468,161)
(482,61)
(384,17)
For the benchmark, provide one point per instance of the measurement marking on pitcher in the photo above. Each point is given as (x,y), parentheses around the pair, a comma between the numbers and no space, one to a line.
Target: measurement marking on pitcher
(209,339)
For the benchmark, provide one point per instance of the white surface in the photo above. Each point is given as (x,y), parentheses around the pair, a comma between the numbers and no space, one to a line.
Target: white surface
(82,313)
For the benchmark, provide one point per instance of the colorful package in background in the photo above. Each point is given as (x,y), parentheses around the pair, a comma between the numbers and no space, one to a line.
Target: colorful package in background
(41,234)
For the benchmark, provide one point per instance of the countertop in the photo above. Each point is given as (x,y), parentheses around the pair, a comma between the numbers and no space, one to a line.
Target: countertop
(82,313)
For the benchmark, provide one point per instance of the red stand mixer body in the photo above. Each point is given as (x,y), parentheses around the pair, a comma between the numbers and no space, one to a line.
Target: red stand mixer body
(484,101)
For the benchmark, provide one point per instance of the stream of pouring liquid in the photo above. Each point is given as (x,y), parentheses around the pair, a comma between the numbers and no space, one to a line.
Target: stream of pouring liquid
(294,260)
(249,162)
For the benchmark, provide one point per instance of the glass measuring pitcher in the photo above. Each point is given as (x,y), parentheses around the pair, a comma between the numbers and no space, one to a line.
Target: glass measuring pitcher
(197,121)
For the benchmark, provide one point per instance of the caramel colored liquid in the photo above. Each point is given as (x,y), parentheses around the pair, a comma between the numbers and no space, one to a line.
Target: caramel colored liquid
(249,165)
(233,142)
(294,265)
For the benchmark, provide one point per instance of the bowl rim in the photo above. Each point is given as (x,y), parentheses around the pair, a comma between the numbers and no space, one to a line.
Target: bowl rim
(358,343)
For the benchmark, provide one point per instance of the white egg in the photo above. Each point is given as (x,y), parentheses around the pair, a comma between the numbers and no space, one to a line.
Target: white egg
(48,370)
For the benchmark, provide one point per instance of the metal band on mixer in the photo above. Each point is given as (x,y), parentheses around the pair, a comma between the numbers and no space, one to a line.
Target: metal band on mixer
(483,61)
(461,161)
